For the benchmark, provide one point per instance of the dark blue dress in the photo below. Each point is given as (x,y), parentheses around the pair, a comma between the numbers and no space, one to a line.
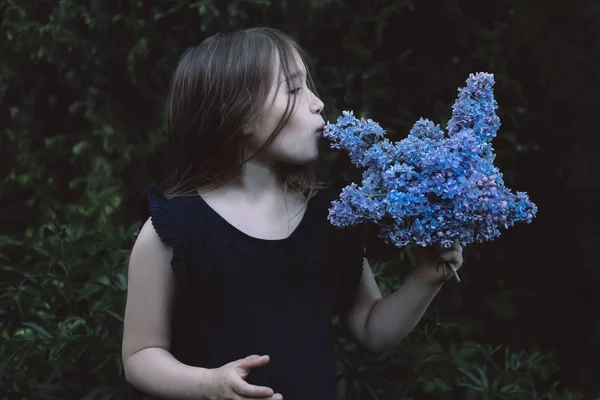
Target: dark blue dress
(237,295)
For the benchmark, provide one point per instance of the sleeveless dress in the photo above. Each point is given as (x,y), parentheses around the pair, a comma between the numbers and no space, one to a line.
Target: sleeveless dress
(238,295)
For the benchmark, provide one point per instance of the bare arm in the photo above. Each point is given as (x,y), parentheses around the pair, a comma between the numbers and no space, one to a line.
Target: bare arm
(378,324)
(149,366)
(395,316)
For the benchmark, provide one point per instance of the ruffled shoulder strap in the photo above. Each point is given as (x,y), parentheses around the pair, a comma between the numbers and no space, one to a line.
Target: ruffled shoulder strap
(157,207)
(168,219)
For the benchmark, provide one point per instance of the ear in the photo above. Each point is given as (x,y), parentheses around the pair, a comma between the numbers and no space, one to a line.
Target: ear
(246,132)
(248,128)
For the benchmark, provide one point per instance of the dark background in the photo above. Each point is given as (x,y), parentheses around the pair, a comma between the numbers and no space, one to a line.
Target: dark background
(81,91)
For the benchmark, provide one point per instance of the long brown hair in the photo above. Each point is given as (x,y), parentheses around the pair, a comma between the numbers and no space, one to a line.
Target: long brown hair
(218,88)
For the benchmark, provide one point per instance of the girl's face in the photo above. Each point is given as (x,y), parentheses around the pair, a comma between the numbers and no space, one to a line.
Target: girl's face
(297,143)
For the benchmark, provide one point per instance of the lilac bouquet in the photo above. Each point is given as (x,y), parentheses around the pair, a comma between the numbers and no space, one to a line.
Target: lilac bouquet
(431,187)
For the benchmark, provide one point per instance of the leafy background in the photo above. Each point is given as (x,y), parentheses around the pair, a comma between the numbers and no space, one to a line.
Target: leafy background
(82,85)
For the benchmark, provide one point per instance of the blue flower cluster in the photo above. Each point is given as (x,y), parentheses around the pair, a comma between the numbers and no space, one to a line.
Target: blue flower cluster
(430,188)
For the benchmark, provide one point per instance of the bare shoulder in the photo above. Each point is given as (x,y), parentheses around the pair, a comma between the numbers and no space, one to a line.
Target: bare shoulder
(148,237)
(147,246)
(150,253)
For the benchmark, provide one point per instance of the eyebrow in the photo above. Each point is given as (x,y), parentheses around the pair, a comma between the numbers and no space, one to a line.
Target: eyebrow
(297,74)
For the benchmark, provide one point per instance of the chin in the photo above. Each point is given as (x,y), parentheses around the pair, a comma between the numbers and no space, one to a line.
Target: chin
(300,159)
(300,162)
(310,159)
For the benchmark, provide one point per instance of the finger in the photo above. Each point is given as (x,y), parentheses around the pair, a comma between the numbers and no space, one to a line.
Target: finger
(276,396)
(253,361)
(438,250)
(247,390)
(450,256)
(457,246)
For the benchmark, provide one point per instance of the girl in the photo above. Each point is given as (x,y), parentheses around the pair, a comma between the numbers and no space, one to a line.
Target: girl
(236,272)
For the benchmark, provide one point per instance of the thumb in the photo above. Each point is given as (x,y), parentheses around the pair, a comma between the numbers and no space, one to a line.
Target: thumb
(253,361)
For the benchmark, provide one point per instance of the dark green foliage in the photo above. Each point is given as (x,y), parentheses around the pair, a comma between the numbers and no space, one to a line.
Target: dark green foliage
(81,90)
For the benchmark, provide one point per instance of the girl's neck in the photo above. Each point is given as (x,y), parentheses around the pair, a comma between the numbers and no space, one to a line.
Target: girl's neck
(255,182)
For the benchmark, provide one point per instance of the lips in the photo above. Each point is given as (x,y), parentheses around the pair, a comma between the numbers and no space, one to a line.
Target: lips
(321,129)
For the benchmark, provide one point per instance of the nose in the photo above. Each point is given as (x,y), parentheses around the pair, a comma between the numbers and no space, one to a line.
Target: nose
(316,106)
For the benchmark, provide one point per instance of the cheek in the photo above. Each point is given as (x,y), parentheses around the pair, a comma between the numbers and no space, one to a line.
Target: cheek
(272,115)
(293,126)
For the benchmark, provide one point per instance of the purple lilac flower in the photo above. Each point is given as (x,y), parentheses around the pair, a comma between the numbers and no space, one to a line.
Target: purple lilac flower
(430,187)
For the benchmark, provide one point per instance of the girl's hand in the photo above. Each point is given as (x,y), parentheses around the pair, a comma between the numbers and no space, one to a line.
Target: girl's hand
(229,381)
(430,262)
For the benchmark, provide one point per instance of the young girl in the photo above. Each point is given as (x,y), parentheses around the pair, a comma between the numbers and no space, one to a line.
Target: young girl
(236,273)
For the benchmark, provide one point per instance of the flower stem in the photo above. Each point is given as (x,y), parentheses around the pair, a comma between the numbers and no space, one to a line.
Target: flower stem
(453,268)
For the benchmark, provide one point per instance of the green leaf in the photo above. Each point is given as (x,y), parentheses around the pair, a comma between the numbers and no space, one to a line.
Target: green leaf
(37,328)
